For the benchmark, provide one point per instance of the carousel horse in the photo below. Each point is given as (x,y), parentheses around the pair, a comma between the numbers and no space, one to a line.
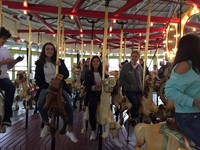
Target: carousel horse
(148,106)
(120,102)
(55,104)
(168,104)
(26,92)
(159,136)
(105,114)
(77,84)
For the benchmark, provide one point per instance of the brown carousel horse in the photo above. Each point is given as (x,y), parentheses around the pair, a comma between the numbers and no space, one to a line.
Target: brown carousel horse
(120,102)
(159,136)
(55,104)
(149,111)
(168,104)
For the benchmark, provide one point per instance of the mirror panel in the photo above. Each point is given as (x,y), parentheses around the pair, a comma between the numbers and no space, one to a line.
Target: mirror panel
(192,25)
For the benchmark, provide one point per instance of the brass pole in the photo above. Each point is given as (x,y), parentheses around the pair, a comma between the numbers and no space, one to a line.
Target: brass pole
(82,49)
(125,47)
(29,49)
(105,38)
(91,48)
(62,41)
(147,43)
(121,42)
(58,32)
(1,13)
(155,60)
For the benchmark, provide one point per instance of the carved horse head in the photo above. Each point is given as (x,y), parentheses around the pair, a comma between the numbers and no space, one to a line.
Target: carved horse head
(20,77)
(109,84)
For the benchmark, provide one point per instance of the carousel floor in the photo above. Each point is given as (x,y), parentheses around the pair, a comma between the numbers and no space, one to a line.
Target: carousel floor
(17,137)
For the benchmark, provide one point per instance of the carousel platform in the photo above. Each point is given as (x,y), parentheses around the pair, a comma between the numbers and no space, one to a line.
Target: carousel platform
(17,137)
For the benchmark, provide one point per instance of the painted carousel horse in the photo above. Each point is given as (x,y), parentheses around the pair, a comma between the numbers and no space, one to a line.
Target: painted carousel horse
(55,104)
(77,84)
(159,136)
(168,104)
(26,92)
(105,114)
(77,72)
(148,106)
(120,102)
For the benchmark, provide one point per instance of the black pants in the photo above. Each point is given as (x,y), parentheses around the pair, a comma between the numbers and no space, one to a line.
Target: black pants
(9,88)
(94,100)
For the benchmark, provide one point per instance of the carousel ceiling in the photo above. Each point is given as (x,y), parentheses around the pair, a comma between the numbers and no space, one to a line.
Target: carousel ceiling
(87,17)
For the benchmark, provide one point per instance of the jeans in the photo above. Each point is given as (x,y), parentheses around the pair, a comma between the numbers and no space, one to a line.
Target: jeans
(9,88)
(133,98)
(68,106)
(189,124)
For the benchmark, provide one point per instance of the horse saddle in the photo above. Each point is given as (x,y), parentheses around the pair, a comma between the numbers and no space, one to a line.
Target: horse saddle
(173,133)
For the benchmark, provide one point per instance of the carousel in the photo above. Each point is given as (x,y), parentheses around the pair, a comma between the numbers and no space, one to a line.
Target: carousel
(81,29)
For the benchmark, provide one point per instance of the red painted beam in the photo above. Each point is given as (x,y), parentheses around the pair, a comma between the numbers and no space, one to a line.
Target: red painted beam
(89,32)
(86,13)
(139,38)
(100,15)
(75,8)
(77,5)
(43,22)
(78,23)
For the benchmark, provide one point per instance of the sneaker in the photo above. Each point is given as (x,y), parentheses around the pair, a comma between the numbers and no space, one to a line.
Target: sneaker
(45,131)
(93,135)
(2,129)
(72,136)
(7,122)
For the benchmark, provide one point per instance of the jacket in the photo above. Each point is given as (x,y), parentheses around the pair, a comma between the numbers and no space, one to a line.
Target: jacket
(40,78)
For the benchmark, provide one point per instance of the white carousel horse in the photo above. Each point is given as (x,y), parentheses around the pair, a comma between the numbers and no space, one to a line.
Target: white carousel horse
(77,84)
(105,114)
(159,136)
(26,92)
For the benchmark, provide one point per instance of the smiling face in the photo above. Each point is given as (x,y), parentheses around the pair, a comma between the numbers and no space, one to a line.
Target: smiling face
(95,64)
(135,56)
(49,51)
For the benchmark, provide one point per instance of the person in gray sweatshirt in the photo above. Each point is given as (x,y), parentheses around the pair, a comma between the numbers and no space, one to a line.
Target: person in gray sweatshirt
(131,81)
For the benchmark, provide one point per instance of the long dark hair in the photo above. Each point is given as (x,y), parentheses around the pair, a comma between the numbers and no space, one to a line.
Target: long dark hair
(189,49)
(4,33)
(42,57)
(100,66)
(92,68)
